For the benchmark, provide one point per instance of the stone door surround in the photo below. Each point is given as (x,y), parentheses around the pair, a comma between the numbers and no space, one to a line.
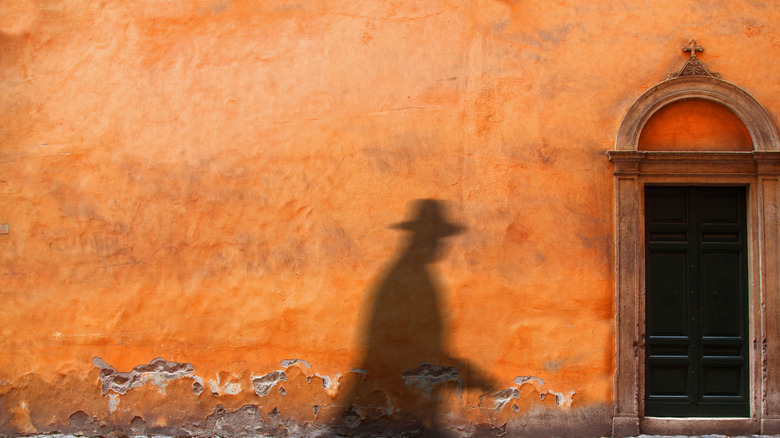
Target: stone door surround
(759,172)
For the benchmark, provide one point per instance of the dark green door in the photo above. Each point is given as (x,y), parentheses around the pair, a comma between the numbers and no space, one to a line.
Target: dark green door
(697,302)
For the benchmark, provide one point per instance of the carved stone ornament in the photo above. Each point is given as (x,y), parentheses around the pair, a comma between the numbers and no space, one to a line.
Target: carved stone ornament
(693,67)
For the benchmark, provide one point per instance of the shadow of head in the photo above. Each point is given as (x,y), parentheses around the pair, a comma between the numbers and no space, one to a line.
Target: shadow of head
(427,227)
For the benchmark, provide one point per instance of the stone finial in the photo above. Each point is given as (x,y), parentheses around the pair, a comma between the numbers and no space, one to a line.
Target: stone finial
(693,48)
(693,67)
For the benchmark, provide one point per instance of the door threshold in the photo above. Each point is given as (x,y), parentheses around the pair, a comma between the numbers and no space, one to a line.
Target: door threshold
(699,426)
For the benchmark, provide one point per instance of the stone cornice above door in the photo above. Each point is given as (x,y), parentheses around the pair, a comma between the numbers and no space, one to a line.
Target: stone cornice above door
(660,163)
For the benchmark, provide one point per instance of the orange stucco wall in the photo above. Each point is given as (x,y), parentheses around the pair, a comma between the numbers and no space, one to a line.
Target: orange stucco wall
(215,183)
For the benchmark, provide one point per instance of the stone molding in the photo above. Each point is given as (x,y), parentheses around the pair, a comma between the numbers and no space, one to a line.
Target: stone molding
(756,119)
(660,163)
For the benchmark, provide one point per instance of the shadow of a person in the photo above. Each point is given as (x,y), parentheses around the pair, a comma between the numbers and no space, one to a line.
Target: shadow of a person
(405,367)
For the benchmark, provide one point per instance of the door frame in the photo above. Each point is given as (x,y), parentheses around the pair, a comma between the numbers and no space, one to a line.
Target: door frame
(759,172)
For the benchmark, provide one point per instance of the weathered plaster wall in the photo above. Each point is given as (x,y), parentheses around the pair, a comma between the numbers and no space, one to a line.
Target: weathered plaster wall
(214,183)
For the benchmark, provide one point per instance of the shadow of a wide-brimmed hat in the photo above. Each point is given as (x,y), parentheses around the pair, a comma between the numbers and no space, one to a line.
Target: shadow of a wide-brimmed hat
(429,219)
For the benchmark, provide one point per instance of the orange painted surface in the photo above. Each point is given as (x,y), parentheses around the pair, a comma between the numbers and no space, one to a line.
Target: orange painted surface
(215,183)
(695,125)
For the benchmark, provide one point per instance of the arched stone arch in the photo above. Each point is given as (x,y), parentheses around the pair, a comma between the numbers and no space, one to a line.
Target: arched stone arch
(757,170)
(743,105)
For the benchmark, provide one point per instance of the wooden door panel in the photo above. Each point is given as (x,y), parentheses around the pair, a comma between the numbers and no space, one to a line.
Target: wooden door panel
(696,302)
(668,208)
(719,208)
(668,280)
(721,301)
(669,380)
(721,381)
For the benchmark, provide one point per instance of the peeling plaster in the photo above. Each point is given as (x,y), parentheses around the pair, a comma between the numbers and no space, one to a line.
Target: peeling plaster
(287,363)
(197,385)
(228,388)
(390,409)
(113,402)
(351,417)
(274,414)
(503,397)
(561,399)
(263,384)
(426,376)
(247,420)
(22,418)
(330,384)
(138,425)
(524,379)
(157,372)
(81,422)
(243,422)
